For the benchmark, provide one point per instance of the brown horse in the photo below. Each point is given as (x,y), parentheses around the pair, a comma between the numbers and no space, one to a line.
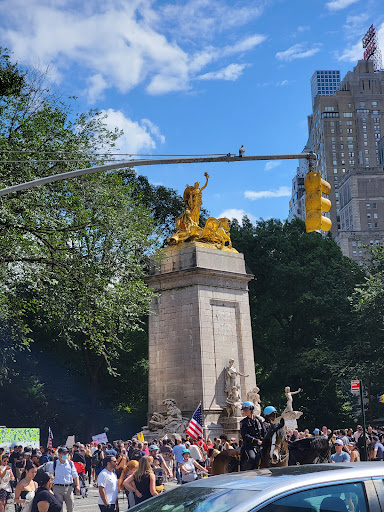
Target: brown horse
(227,461)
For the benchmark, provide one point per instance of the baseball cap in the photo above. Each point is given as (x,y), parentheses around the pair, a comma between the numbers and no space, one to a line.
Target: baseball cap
(62,449)
(339,441)
(316,431)
(185,451)
(153,447)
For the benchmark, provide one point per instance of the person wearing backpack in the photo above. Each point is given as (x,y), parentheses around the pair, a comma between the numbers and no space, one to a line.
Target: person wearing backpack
(65,477)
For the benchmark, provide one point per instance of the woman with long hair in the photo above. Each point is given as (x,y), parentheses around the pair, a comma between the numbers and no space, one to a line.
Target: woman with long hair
(129,470)
(26,488)
(6,476)
(143,482)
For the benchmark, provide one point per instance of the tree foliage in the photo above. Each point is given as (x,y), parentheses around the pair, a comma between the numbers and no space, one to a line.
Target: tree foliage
(301,314)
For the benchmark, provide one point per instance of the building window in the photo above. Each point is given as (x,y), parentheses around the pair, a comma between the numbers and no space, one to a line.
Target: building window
(374,103)
(329,109)
(362,104)
(371,242)
(349,130)
(353,244)
(377,128)
(377,135)
(347,114)
(365,143)
(374,205)
(335,171)
(366,160)
(351,154)
(375,112)
(368,215)
(369,225)
(366,152)
(376,225)
(375,216)
(332,130)
(349,123)
(368,205)
(354,253)
(334,162)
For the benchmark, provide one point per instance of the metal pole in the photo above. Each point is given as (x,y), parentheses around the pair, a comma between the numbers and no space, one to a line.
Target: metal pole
(150,161)
(365,448)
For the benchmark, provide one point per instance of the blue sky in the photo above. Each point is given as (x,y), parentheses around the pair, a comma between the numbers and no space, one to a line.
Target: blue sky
(197,77)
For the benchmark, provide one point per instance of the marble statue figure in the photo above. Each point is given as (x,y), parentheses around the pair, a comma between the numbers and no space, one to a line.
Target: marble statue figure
(231,375)
(233,402)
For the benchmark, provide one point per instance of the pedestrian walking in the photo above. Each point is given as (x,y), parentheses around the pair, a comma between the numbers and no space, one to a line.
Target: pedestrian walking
(65,478)
(6,476)
(26,489)
(108,486)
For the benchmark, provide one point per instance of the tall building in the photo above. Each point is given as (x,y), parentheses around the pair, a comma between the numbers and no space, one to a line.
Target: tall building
(345,129)
(324,83)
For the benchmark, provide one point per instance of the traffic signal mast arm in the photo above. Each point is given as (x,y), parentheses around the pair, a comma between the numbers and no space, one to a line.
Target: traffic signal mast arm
(151,161)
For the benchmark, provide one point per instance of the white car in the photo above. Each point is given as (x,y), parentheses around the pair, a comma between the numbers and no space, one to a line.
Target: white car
(346,487)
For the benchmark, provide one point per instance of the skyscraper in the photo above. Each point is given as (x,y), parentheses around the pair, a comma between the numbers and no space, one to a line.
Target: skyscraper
(324,83)
(345,128)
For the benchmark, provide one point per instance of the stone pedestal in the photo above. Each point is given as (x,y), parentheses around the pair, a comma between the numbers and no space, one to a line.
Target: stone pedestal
(200,320)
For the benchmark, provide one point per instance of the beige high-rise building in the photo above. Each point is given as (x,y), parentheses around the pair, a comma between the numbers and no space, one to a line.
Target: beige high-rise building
(345,131)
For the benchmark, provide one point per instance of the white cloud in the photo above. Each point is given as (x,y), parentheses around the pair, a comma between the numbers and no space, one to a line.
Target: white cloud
(126,44)
(138,136)
(272,164)
(336,5)
(303,28)
(262,194)
(234,213)
(352,54)
(298,51)
(231,72)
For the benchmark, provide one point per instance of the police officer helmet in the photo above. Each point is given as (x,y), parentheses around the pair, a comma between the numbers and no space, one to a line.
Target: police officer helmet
(247,405)
(269,410)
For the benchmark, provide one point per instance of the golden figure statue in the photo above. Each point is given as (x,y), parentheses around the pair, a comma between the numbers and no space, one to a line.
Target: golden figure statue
(216,231)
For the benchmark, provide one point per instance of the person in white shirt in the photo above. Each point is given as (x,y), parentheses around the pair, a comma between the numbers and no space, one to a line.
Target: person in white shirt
(65,478)
(108,487)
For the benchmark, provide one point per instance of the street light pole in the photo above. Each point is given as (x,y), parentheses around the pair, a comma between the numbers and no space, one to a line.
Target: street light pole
(152,161)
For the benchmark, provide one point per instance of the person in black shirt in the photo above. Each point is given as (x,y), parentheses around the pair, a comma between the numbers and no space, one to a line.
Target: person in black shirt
(45,500)
(252,432)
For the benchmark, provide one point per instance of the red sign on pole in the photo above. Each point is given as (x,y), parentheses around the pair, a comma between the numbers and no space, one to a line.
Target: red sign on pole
(355,385)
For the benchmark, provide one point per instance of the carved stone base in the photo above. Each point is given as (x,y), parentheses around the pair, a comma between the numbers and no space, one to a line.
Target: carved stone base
(231,427)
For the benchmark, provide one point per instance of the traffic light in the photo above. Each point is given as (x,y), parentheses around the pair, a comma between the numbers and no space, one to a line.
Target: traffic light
(315,203)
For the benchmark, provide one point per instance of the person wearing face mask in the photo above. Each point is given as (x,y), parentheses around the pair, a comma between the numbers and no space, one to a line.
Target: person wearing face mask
(45,500)
(65,477)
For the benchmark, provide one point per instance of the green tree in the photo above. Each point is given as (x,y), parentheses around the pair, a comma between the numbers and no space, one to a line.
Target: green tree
(301,314)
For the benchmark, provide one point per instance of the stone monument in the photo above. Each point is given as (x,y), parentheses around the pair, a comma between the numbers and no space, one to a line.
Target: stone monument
(200,326)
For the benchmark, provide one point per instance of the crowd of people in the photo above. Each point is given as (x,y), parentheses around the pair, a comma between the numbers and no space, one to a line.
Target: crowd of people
(42,480)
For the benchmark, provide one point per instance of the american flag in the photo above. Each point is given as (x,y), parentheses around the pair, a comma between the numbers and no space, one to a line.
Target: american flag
(195,428)
(50,437)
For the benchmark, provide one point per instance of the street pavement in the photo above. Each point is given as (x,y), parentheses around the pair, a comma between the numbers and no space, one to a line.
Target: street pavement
(89,504)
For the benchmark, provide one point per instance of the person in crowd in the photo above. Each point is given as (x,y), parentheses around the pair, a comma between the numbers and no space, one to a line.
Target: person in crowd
(188,468)
(108,486)
(377,449)
(129,470)
(17,461)
(156,456)
(65,477)
(46,455)
(97,461)
(212,453)
(146,448)
(121,461)
(26,488)
(202,444)
(195,450)
(143,482)
(354,452)
(340,455)
(166,453)
(45,500)
(6,476)
(88,462)
(177,451)
(110,450)
(77,455)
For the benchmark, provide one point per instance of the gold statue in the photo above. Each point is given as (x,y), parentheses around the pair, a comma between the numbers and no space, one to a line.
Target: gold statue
(216,231)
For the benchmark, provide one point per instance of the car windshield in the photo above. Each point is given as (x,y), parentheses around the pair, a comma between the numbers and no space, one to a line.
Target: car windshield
(196,499)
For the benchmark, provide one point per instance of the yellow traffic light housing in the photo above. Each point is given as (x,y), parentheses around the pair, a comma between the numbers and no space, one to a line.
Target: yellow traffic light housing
(315,203)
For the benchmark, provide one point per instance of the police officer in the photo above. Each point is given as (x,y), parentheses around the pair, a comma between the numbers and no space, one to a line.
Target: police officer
(270,414)
(252,433)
